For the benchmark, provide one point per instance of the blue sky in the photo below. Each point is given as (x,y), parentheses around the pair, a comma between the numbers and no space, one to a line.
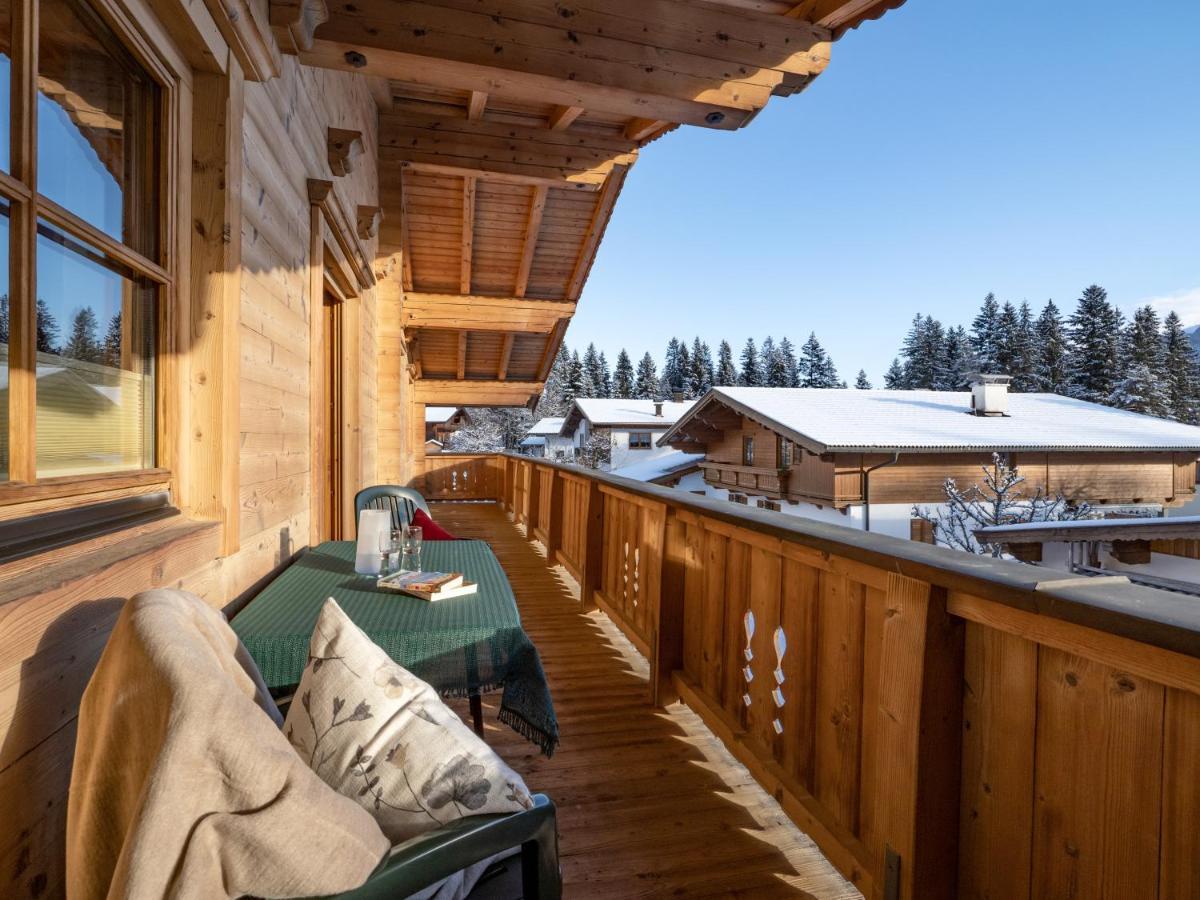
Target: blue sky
(950,149)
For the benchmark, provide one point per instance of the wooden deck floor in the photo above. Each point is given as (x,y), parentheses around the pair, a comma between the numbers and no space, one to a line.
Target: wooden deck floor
(649,802)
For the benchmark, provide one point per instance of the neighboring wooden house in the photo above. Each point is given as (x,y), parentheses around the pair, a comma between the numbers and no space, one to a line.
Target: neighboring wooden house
(443,421)
(546,441)
(864,458)
(633,428)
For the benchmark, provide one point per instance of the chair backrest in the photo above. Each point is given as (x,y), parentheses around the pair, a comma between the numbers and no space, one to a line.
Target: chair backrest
(401,502)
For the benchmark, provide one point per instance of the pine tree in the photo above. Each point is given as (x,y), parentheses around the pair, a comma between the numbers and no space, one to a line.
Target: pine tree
(923,350)
(954,366)
(775,373)
(83,344)
(685,387)
(984,343)
(1141,391)
(1024,363)
(645,386)
(623,376)
(702,368)
(1095,334)
(1051,372)
(791,365)
(815,368)
(553,401)
(593,375)
(893,378)
(1143,339)
(573,385)
(726,374)
(47,329)
(1007,341)
(751,375)
(1182,372)
(862,383)
(671,379)
(112,342)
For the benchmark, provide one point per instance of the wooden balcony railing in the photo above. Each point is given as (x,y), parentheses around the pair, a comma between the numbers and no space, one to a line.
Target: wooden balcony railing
(941,724)
(461,476)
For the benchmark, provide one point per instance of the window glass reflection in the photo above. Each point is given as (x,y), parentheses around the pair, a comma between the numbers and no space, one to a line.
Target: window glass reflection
(96,114)
(95,362)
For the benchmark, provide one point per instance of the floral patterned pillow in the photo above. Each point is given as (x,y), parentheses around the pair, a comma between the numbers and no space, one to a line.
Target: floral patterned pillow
(378,734)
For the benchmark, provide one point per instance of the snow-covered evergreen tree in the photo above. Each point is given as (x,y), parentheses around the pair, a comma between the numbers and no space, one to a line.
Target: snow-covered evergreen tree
(751,374)
(1095,331)
(685,385)
(954,368)
(83,343)
(702,367)
(922,351)
(593,376)
(787,352)
(553,401)
(815,368)
(1024,352)
(47,328)
(490,430)
(1182,372)
(623,376)
(606,381)
(671,379)
(1141,390)
(1000,501)
(111,350)
(1051,368)
(573,384)
(1143,340)
(645,386)
(893,378)
(984,335)
(774,367)
(862,383)
(726,374)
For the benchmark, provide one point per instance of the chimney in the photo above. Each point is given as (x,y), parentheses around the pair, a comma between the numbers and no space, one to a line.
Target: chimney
(989,395)
(658,408)
(677,396)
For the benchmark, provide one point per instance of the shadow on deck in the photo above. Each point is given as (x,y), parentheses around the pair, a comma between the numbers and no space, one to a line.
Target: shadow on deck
(650,803)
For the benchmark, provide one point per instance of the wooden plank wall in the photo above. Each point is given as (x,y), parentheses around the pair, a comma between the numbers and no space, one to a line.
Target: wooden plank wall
(992,751)
(54,619)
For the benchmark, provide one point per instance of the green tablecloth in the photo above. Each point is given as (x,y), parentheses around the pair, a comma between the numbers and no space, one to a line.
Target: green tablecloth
(461,646)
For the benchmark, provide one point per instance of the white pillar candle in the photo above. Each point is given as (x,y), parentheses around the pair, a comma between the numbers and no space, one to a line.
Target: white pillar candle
(372,524)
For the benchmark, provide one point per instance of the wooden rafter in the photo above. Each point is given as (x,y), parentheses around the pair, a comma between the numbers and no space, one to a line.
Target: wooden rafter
(461,364)
(505,355)
(455,312)
(563,116)
(294,22)
(476,105)
(604,207)
(452,392)
(655,59)
(533,225)
(551,349)
(640,129)
(468,233)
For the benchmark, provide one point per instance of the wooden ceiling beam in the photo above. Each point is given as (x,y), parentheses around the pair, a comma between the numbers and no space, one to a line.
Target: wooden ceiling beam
(640,129)
(449,392)
(604,208)
(505,356)
(476,105)
(468,233)
(551,349)
(492,171)
(461,365)
(533,225)
(294,21)
(562,117)
(406,269)
(455,312)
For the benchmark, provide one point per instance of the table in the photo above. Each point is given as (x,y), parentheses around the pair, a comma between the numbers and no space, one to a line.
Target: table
(462,646)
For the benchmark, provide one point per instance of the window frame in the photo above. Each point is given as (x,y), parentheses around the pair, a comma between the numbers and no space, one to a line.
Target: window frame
(747,450)
(784,452)
(152,50)
(647,445)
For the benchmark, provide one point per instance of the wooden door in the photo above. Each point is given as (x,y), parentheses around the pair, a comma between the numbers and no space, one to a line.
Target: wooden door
(334,424)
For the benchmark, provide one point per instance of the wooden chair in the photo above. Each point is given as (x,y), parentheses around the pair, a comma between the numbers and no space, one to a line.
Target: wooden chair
(401,502)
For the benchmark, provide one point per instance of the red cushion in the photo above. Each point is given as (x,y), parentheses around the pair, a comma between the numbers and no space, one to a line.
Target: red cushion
(430,530)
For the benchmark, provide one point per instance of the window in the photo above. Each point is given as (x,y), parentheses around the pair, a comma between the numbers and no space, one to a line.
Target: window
(639,440)
(770,504)
(783,451)
(83,318)
(738,498)
(747,451)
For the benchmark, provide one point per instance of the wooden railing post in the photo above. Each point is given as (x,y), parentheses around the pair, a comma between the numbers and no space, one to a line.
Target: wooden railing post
(593,554)
(555,501)
(918,727)
(532,499)
(667,637)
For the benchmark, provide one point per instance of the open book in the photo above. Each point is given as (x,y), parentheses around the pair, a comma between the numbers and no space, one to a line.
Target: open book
(429,585)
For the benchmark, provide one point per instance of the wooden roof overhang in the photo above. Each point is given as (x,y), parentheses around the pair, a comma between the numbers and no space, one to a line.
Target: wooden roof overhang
(507,129)
(714,414)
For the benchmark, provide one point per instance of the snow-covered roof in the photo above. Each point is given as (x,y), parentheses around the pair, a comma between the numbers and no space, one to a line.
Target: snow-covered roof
(1149,528)
(851,421)
(435,415)
(533,441)
(551,425)
(659,466)
(607,412)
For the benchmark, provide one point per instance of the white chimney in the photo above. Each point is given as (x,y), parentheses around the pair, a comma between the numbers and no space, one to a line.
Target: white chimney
(989,395)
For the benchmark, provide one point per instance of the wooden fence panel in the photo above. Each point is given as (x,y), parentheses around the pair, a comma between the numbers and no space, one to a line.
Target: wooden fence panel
(461,477)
